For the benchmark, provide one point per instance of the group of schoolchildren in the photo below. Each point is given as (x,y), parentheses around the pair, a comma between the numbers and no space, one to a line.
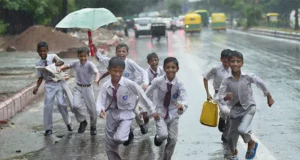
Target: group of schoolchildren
(134,93)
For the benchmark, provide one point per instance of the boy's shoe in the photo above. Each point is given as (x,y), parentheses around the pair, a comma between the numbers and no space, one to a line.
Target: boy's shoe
(130,138)
(221,125)
(144,129)
(234,158)
(70,128)
(82,126)
(93,131)
(48,132)
(156,142)
(224,139)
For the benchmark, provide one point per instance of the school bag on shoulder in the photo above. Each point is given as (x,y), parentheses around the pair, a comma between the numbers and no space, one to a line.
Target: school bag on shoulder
(209,114)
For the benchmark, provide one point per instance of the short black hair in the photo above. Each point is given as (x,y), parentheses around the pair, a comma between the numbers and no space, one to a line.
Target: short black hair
(225,53)
(83,50)
(152,55)
(116,62)
(42,44)
(121,45)
(236,54)
(171,59)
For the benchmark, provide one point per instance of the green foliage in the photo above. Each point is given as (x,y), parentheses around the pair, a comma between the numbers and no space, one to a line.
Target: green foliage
(3,27)
(175,7)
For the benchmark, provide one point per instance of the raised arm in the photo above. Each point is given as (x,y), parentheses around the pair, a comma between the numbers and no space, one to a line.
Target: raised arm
(101,59)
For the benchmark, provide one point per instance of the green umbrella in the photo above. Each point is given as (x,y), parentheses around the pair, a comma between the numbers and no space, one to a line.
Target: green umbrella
(88,18)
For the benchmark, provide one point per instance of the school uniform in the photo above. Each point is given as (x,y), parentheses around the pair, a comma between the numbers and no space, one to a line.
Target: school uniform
(52,90)
(83,93)
(150,75)
(243,105)
(119,104)
(167,96)
(133,72)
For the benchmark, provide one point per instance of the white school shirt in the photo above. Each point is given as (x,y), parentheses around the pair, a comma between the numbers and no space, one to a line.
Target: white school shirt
(178,95)
(132,70)
(84,72)
(217,73)
(46,74)
(241,89)
(127,93)
(149,74)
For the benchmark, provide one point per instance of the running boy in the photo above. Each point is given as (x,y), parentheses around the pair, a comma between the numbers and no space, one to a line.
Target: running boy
(84,95)
(132,71)
(237,90)
(52,89)
(151,72)
(171,101)
(218,73)
(116,101)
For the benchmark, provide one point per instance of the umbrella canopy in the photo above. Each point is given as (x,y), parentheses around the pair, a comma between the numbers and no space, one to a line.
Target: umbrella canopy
(89,18)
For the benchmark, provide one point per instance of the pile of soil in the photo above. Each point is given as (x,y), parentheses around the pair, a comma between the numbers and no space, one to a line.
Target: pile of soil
(57,41)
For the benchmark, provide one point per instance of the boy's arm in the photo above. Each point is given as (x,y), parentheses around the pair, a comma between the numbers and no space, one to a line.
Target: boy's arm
(261,85)
(207,76)
(182,100)
(151,88)
(101,59)
(39,81)
(221,96)
(101,101)
(96,72)
(145,77)
(63,68)
(142,97)
(58,61)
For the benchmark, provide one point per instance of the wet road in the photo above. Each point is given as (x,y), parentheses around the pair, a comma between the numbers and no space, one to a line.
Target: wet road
(276,129)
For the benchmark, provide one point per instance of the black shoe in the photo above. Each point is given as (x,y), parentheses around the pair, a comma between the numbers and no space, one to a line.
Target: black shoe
(130,138)
(70,128)
(82,126)
(224,139)
(156,142)
(144,129)
(48,132)
(93,131)
(221,125)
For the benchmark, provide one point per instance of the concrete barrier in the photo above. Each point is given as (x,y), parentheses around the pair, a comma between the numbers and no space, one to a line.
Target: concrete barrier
(279,34)
(18,101)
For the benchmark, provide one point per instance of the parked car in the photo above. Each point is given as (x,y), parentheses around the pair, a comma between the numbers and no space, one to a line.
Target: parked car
(177,23)
(142,26)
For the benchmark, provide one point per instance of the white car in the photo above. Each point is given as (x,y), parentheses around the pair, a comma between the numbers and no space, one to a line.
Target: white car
(167,21)
(142,26)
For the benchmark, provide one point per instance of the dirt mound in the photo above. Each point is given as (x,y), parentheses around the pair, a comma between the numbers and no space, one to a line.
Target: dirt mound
(57,41)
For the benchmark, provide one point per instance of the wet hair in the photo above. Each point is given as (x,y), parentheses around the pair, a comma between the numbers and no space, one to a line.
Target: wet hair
(151,55)
(236,54)
(116,62)
(83,50)
(42,44)
(171,59)
(225,53)
(121,45)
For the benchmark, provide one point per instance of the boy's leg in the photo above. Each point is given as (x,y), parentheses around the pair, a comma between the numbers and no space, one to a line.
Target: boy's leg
(225,133)
(138,118)
(48,105)
(112,146)
(62,107)
(123,131)
(172,139)
(78,105)
(161,131)
(233,134)
(245,129)
(91,106)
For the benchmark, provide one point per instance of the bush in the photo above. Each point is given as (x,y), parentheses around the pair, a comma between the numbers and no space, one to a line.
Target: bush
(3,27)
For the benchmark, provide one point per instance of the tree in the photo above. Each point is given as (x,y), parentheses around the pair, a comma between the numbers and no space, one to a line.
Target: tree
(175,8)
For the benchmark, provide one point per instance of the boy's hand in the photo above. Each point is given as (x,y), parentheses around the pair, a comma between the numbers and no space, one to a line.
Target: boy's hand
(35,90)
(228,96)
(270,100)
(102,114)
(209,97)
(97,82)
(156,116)
(179,108)
(144,86)
(54,60)
(67,77)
